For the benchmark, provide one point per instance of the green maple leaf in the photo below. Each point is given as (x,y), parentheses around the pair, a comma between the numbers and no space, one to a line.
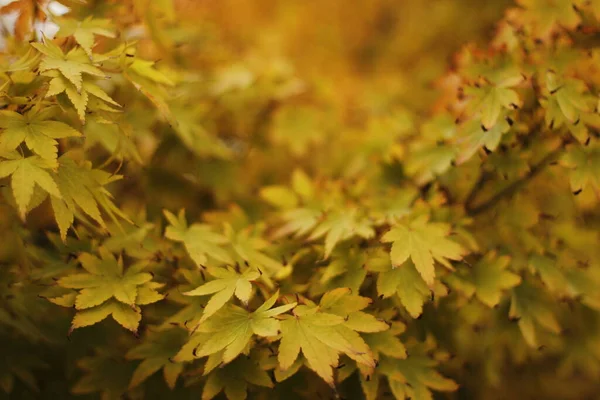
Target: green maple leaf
(298,128)
(232,328)
(83,187)
(553,277)
(146,69)
(474,136)
(487,279)
(530,306)
(299,221)
(71,65)
(414,377)
(200,240)
(157,352)
(491,101)
(128,317)
(79,98)
(322,337)
(427,161)
(195,136)
(406,282)
(346,269)
(490,278)
(342,225)
(24,63)
(387,342)
(566,102)
(584,165)
(233,379)
(26,173)
(35,129)
(583,284)
(423,242)
(84,31)
(279,196)
(227,284)
(342,302)
(249,248)
(547,16)
(104,280)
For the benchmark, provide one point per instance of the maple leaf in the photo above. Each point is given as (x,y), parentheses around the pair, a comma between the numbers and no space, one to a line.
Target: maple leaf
(429,161)
(71,65)
(406,282)
(83,187)
(128,317)
(197,137)
(555,278)
(474,136)
(249,246)
(566,102)
(530,307)
(548,16)
(487,280)
(279,196)
(387,342)
(346,269)
(232,328)
(227,284)
(157,352)
(35,129)
(299,221)
(491,100)
(322,337)
(298,128)
(423,242)
(584,165)
(342,225)
(413,377)
(24,63)
(79,98)
(384,345)
(146,69)
(233,379)
(151,83)
(200,240)
(84,31)
(104,280)
(583,284)
(26,173)
(342,302)
(490,277)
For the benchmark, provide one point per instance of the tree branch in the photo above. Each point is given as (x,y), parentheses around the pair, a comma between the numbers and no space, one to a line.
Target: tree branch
(510,189)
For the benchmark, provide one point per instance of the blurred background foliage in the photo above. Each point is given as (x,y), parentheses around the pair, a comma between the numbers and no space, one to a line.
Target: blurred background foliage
(312,73)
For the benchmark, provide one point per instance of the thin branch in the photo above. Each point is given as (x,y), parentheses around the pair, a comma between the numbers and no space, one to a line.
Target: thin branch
(483,178)
(510,189)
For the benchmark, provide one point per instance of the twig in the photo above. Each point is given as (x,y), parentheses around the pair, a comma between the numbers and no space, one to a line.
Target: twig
(510,189)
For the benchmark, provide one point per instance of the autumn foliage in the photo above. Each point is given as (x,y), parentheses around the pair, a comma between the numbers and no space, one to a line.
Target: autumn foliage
(273,200)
